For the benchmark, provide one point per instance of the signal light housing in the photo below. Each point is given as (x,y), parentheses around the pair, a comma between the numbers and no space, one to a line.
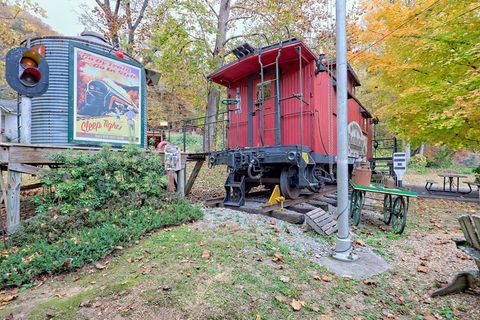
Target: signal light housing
(26,70)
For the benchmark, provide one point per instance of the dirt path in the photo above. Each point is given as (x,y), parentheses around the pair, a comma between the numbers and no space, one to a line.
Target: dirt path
(232,265)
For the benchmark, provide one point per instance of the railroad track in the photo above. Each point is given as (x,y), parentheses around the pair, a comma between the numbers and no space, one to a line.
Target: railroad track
(316,209)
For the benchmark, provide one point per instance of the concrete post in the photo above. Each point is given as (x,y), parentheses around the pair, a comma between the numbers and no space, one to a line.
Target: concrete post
(343,244)
(25,120)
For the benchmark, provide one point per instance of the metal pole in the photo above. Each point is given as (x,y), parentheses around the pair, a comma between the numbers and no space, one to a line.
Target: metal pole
(343,244)
(25,119)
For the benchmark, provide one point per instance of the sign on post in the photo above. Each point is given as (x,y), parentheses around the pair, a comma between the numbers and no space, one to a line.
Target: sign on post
(399,166)
(107,98)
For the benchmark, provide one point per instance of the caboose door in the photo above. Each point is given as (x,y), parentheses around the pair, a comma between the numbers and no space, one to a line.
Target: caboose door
(264,112)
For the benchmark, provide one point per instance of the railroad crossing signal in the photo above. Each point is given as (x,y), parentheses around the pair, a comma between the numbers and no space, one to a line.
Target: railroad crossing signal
(26,71)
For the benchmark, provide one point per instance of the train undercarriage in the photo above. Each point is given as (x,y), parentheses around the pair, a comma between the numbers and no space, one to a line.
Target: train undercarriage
(291,167)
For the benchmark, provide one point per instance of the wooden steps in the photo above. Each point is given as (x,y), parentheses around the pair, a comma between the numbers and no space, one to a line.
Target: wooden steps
(321,221)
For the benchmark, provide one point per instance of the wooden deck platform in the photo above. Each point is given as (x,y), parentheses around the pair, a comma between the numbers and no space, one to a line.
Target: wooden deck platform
(17,159)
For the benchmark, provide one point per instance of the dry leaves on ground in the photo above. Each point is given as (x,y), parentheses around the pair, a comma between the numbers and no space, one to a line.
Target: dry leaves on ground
(277,257)
(297,304)
(206,254)
(422,269)
(7,297)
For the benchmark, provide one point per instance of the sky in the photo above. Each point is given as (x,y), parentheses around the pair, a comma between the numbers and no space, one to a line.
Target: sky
(62,15)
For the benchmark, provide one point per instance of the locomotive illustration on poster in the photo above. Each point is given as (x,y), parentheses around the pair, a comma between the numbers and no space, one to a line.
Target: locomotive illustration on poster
(106,98)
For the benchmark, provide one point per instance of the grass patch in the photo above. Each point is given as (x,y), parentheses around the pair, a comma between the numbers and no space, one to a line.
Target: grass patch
(99,201)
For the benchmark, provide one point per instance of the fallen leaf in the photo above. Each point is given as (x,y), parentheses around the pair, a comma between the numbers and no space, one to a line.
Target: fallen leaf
(316,277)
(327,278)
(360,242)
(297,304)
(67,262)
(119,247)
(206,254)
(367,292)
(285,279)
(100,266)
(85,303)
(324,317)
(258,317)
(314,308)
(281,298)
(93,282)
(277,257)
(8,298)
(369,282)
(422,269)
(166,288)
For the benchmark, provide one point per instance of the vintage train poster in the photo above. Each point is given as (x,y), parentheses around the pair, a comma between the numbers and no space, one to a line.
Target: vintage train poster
(106,97)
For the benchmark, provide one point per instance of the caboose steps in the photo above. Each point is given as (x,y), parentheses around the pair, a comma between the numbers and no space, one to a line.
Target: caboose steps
(234,191)
(321,221)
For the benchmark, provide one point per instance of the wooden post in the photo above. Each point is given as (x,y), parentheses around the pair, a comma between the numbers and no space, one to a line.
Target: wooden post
(193,176)
(13,200)
(181,181)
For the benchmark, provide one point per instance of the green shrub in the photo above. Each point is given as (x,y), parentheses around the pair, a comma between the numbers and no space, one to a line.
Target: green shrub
(418,163)
(193,142)
(98,201)
(442,158)
(476,171)
(418,160)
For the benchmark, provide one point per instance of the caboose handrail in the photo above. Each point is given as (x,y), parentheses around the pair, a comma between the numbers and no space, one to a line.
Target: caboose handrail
(297,96)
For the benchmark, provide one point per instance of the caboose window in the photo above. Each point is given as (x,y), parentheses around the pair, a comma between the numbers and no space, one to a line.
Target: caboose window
(264,90)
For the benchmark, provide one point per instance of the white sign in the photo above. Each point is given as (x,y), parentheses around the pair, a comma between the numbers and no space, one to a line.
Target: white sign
(357,142)
(399,164)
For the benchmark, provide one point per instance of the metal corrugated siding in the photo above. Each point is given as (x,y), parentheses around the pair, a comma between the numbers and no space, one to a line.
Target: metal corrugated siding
(50,112)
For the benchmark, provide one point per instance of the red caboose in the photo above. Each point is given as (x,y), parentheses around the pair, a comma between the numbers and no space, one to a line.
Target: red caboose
(282,120)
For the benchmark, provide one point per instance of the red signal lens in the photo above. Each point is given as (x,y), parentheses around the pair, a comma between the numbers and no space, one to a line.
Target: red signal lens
(30,77)
(29,74)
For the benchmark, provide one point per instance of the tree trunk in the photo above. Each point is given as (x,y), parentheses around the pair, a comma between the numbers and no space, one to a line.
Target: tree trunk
(213,98)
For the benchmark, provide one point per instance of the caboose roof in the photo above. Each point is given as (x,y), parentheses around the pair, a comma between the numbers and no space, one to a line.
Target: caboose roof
(249,64)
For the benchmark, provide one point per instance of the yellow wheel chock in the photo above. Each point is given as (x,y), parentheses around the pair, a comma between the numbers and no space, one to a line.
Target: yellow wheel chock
(276,196)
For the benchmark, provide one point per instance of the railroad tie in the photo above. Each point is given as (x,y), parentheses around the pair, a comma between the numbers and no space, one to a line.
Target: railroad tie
(321,221)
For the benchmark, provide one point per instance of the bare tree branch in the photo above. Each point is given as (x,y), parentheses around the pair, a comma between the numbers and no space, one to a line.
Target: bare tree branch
(117,7)
(211,8)
(240,36)
(140,15)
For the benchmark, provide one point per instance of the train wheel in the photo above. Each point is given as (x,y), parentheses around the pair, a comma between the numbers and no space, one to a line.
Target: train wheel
(399,215)
(287,183)
(387,208)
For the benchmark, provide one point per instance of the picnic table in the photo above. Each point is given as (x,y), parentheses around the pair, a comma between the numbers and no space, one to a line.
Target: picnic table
(450,177)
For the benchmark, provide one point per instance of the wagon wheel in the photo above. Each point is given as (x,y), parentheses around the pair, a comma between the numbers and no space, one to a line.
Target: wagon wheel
(399,215)
(356,206)
(387,208)
(288,184)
